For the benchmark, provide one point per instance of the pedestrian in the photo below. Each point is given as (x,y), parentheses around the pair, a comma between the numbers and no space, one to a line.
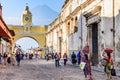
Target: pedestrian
(59,55)
(108,64)
(26,55)
(65,58)
(87,68)
(57,58)
(45,55)
(5,58)
(52,55)
(48,56)
(18,58)
(13,58)
(9,59)
(0,58)
(79,57)
(73,58)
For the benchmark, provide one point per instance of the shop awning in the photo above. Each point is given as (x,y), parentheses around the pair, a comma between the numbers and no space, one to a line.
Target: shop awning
(4,31)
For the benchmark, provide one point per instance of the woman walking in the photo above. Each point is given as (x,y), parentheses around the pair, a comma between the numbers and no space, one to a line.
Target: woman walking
(108,65)
(57,58)
(87,68)
(65,58)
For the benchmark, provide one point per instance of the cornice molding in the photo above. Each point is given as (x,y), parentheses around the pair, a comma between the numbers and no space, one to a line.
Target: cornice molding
(65,4)
(86,3)
(97,9)
(76,10)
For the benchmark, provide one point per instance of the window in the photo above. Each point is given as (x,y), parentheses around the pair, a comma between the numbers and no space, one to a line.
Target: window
(76,25)
(75,29)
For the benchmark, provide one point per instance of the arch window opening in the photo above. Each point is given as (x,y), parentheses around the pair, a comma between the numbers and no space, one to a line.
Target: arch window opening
(27,46)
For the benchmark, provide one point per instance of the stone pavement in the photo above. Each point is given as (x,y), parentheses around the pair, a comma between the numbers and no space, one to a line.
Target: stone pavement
(38,69)
(44,70)
(101,69)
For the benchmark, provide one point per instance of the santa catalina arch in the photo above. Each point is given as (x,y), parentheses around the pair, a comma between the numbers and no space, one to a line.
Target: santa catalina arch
(37,33)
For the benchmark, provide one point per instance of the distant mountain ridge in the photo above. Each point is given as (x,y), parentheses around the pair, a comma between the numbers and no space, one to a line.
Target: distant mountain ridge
(43,15)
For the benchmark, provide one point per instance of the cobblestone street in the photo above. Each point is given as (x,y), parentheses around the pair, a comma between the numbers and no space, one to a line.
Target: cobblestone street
(43,70)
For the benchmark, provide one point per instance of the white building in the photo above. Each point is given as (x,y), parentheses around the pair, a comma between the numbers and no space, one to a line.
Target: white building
(92,22)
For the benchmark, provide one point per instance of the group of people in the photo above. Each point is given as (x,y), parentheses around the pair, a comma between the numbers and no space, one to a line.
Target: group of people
(10,58)
(83,57)
(75,58)
(49,56)
(57,59)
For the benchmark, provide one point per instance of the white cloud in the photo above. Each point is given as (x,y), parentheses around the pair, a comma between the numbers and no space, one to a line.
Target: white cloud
(12,20)
(27,43)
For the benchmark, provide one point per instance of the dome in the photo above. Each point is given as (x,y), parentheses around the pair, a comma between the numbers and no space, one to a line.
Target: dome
(26,11)
(26,8)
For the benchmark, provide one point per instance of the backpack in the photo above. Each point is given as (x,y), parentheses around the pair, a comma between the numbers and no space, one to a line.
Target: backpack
(113,72)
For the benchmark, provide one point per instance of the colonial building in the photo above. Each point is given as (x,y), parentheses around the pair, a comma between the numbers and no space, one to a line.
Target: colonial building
(5,36)
(82,22)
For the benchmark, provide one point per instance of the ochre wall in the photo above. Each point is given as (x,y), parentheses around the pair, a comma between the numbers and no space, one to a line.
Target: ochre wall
(38,33)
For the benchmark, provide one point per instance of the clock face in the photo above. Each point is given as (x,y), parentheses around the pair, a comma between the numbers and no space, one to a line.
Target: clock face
(26,18)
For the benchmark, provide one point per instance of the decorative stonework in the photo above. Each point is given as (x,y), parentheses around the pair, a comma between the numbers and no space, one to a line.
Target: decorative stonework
(26,16)
(86,3)
(93,15)
(96,10)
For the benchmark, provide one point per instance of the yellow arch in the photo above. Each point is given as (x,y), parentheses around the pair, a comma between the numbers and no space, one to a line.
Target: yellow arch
(29,37)
(38,33)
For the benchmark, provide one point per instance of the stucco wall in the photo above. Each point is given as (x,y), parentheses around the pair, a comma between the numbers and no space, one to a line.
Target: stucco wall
(76,41)
(117,30)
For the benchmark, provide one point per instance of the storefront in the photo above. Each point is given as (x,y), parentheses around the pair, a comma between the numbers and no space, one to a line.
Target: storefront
(5,35)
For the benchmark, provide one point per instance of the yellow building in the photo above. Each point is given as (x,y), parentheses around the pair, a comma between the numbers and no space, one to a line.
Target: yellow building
(38,33)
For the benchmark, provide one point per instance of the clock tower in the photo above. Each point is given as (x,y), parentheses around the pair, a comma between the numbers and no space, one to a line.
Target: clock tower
(26,19)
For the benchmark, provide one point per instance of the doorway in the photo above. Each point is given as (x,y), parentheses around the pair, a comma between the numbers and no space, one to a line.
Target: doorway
(94,55)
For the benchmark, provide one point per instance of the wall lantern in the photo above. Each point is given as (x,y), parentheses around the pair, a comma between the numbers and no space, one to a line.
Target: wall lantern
(102,32)
(112,30)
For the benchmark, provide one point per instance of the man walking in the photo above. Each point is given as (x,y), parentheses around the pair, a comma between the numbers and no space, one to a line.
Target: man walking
(79,57)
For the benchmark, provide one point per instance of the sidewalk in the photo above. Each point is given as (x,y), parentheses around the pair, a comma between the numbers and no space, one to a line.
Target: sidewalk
(101,69)
(95,68)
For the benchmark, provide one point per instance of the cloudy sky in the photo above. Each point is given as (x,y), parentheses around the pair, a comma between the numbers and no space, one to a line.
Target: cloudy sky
(13,9)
